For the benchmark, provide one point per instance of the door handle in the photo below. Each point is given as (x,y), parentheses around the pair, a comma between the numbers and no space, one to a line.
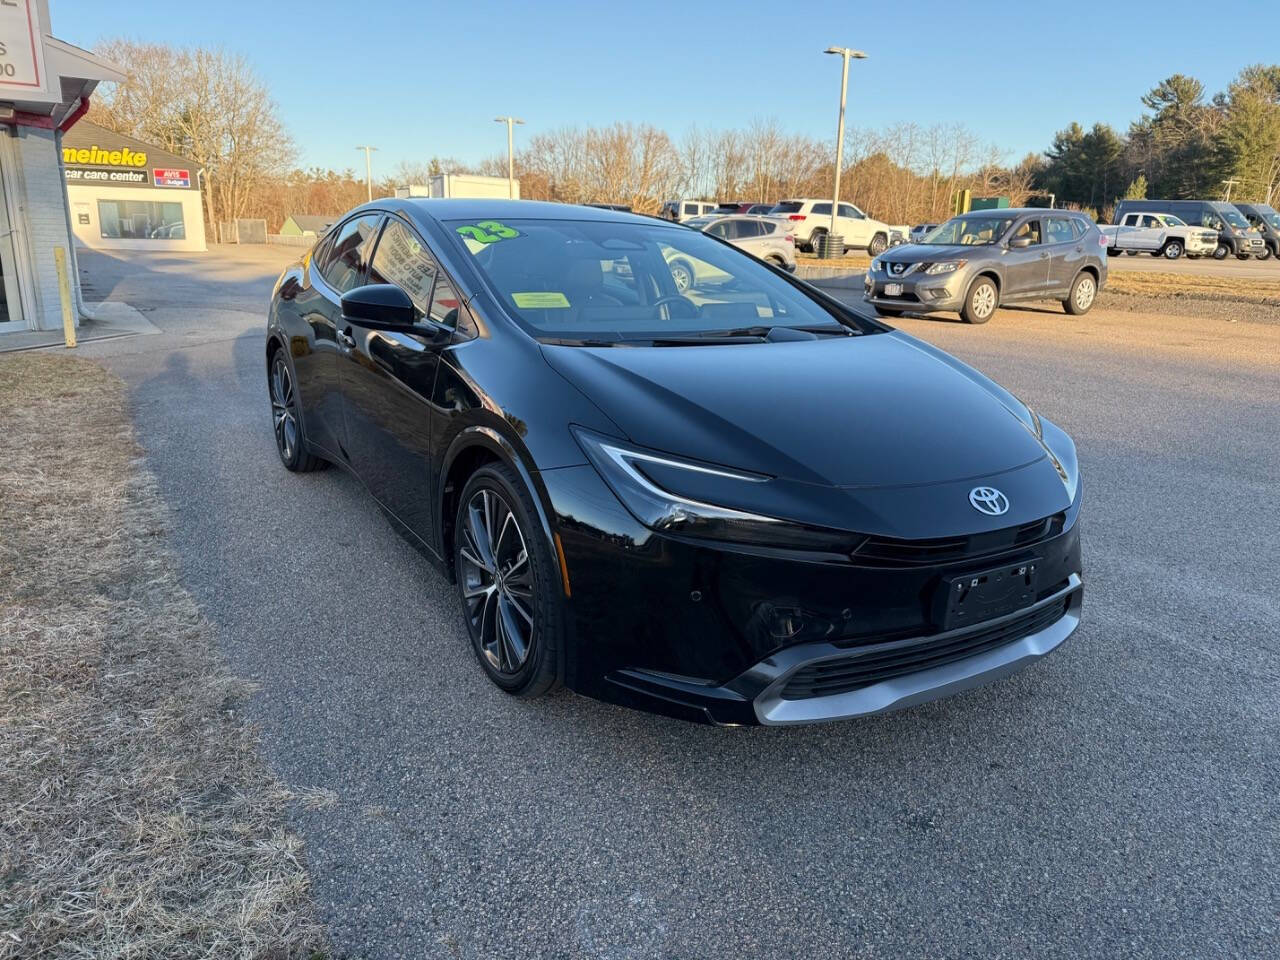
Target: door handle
(345,338)
(1044,256)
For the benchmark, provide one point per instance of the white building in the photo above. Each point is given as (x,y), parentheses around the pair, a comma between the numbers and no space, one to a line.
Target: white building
(45,86)
(129,195)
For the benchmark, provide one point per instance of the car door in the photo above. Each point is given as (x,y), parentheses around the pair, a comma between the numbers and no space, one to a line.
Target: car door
(388,378)
(337,266)
(1026,268)
(745,234)
(1064,237)
(854,226)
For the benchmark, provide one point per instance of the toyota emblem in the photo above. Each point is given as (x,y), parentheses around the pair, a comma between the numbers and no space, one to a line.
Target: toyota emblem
(989,500)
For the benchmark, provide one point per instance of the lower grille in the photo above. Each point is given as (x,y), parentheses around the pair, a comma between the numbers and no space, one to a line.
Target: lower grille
(876,664)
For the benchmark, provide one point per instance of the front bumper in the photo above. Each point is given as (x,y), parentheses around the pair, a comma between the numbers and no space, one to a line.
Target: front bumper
(740,635)
(920,291)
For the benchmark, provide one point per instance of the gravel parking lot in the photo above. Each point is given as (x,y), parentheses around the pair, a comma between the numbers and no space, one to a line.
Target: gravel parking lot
(1118,799)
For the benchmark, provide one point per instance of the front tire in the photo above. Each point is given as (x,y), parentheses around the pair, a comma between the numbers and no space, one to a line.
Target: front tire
(508,582)
(1266,253)
(879,243)
(286,422)
(981,301)
(1221,251)
(1171,250)
(1084,291)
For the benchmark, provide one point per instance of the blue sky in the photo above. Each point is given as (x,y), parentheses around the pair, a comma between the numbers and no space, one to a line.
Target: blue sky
(424,78)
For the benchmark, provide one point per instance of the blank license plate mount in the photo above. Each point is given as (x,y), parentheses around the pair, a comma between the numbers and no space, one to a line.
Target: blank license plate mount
(970,598)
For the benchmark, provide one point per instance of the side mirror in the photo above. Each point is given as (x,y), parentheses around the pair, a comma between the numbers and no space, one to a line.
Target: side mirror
(380,306)
(1017,243)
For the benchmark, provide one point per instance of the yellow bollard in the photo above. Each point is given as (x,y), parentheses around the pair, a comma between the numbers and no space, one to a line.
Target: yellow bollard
(64,289)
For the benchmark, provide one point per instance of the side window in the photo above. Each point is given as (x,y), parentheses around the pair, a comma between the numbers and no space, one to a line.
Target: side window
(1132,220)
(1210,219)
(445,309)
(1059,231)
(1150,221)
(1029,229)
(345,259)
(401,259)
(691,209)
(720,230)
(822,209)
(1078,228)
(748,228)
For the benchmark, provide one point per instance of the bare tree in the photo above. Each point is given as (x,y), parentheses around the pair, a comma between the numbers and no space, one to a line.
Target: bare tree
(207,105)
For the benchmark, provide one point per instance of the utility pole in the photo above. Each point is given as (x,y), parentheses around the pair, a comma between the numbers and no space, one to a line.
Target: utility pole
(1230,183)
(845,54)
(511,159)
(368,169)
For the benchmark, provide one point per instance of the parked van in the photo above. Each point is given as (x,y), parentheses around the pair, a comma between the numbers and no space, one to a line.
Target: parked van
(1267,222)
(1235,236)
(682,210)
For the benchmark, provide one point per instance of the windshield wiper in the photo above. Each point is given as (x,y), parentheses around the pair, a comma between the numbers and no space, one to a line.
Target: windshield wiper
(577,342)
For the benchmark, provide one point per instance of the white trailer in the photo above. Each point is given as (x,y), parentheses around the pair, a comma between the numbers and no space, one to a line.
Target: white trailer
(467,185)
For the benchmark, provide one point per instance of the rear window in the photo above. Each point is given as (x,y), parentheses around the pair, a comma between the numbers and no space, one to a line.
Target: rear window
(599,281)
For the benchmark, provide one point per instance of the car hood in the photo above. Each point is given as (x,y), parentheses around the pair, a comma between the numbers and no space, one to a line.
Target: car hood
(917,252)
(876,410)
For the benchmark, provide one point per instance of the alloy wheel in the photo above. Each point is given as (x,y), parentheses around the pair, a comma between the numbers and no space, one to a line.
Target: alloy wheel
(984,300)
(497,581)
(284,410)
(1086,290)
(1173,250)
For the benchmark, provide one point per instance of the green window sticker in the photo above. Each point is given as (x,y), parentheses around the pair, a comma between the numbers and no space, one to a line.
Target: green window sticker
(487,231)
(541,300)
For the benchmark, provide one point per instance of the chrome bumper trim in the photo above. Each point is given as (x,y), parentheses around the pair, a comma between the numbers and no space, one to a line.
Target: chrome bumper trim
(914,688)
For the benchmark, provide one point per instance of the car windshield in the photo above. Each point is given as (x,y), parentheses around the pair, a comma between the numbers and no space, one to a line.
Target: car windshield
(1271,217)
(603,282)
(1233,217)
(969,231)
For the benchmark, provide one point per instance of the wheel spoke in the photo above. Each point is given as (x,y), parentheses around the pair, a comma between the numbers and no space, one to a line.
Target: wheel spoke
(514,600)
(517,648)
(478,535)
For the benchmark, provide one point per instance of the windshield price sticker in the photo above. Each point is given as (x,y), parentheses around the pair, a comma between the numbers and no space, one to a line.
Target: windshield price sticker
(541,300)
(487,231)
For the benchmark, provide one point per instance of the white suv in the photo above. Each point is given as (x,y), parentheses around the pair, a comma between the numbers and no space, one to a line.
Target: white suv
(811,219)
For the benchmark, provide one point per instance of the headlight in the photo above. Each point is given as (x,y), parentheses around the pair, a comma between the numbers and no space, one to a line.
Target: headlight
(632,474)
(946,266)
(875,266)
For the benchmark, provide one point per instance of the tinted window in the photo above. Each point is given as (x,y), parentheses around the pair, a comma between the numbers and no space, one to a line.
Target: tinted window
(554,277)
(691,208)
(444,303)
(401,259)
(1060,231)
(346,256)
(745,229)
(823,209)
(721,230)
(1149,221)
(787,206)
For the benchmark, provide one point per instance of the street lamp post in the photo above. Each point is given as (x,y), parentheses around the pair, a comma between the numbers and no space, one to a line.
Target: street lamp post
(368,170)
(511,162)
(845,54)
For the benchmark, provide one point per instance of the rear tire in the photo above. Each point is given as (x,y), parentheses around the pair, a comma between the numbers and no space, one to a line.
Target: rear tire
(508,583)
(981,301)
(777,261)
(815,238)
(879,243)
(286,420)
(1084,291)
(1171,250)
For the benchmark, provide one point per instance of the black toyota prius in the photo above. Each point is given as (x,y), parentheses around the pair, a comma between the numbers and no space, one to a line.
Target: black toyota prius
(729,499)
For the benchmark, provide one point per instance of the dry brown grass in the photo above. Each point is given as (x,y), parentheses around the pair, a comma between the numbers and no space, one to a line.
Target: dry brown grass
(136,819)
(1254,290)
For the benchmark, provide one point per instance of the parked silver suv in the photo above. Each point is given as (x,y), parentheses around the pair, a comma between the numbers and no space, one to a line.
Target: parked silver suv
(977,261)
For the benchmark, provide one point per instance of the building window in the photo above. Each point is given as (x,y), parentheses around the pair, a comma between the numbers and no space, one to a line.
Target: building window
(141,220)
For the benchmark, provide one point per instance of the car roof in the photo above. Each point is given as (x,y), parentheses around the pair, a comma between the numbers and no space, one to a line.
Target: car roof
(485,208)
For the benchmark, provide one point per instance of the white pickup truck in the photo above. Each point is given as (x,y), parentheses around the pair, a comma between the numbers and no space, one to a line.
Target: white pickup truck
(1159,234)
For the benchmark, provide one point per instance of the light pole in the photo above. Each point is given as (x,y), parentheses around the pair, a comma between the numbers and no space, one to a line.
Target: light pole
(368,169)
(511,162)
(845,54)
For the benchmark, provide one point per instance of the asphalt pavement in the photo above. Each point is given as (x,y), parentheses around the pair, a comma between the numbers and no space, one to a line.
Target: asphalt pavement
(1118,799)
